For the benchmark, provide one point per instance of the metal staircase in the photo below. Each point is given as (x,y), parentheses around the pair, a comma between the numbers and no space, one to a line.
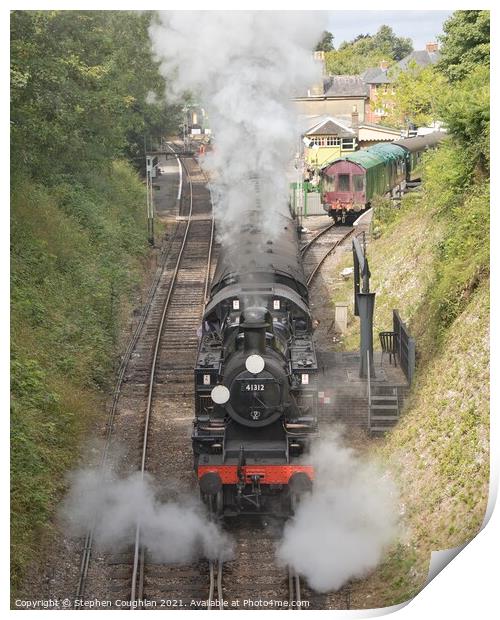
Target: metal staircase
(383,405)
(383,408)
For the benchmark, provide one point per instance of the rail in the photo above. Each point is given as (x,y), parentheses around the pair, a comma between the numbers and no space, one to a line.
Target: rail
(327,254)
(215,595)
(294,590)
(305,248)
(136,590)
(149,402)
(89,537)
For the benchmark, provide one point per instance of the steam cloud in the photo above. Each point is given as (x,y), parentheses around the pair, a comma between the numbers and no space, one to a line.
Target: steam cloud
(244,67)
(341,529)
(173,532)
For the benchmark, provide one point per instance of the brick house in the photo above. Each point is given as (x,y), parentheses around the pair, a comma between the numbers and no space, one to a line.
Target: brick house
(336,96)
(379,82)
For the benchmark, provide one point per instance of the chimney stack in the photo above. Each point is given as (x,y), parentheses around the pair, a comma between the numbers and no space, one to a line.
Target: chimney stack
(318,89)
(384,65)
(431,47)
(354,117)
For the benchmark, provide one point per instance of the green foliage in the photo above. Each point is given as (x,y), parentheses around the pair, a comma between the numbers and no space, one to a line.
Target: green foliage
(447,175)
(84,93)
(465,109)
(77,253)
(462,257)
(396,47)
(325,44)
(415,96)
(79,87)
(465,44)
(367,51)
(387,213)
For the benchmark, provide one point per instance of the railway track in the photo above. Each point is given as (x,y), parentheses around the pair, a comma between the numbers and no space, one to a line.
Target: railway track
(320,247)
(155,377)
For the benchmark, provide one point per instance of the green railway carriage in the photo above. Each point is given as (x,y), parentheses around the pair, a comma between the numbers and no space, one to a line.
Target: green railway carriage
(394,164)
(415,148)
(350,183)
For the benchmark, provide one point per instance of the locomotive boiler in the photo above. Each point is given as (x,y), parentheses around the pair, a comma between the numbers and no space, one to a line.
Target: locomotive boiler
(255,376)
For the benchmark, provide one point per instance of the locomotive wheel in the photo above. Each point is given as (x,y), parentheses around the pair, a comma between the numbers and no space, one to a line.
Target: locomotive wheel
(294,502)
(214,503)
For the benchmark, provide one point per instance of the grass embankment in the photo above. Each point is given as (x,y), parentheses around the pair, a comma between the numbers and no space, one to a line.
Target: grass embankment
(78,253)
(432,263)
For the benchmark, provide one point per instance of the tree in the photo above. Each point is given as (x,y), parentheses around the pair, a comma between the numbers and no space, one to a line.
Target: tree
(465,109)
(465,43)
(397,47)
(79,84)
(366,51)
(413,97)
(325,44)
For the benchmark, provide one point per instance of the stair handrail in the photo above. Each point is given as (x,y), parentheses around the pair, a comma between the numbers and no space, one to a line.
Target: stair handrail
(369,384)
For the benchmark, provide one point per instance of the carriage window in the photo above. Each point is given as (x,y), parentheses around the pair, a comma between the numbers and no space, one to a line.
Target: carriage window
(329,183)
(358,182)
(343,183)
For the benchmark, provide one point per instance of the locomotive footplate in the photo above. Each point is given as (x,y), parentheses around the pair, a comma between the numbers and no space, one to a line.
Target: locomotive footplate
(267,474)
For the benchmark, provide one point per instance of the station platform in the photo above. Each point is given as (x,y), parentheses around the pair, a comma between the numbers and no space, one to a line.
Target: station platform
(166,188)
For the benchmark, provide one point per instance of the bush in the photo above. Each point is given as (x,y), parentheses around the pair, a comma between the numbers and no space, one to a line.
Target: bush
(77,255)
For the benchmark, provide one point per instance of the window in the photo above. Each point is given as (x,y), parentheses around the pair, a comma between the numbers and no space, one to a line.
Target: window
(343,183)
(329,183)
(317,141)
(348,144)
(358,181)
(332,141)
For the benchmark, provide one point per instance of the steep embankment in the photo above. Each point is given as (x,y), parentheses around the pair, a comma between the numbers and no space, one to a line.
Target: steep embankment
(78,253)
(431,263)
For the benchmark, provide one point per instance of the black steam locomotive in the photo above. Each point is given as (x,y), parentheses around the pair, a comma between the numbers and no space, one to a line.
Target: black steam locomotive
(255,377)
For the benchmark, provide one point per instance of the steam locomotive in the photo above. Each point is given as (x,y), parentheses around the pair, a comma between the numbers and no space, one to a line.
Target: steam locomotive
(350,183)
(256,377)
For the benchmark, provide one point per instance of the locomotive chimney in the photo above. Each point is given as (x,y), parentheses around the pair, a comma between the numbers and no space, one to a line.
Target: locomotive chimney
(254,326)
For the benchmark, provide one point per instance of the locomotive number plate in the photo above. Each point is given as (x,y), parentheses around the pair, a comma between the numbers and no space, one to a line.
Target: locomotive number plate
(253,387)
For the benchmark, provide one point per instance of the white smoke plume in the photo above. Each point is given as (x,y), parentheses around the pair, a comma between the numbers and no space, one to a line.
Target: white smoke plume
(342,528)
(244,67)
(173,532)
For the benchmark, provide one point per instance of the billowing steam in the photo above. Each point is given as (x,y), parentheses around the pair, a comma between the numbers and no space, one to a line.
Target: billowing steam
(341,529)
(243,67)
(173,532)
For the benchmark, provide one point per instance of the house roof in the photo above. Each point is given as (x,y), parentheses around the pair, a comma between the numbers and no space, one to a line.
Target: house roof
(375,75)
(379,126)
(421,57)
(345,86)
(330,126)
